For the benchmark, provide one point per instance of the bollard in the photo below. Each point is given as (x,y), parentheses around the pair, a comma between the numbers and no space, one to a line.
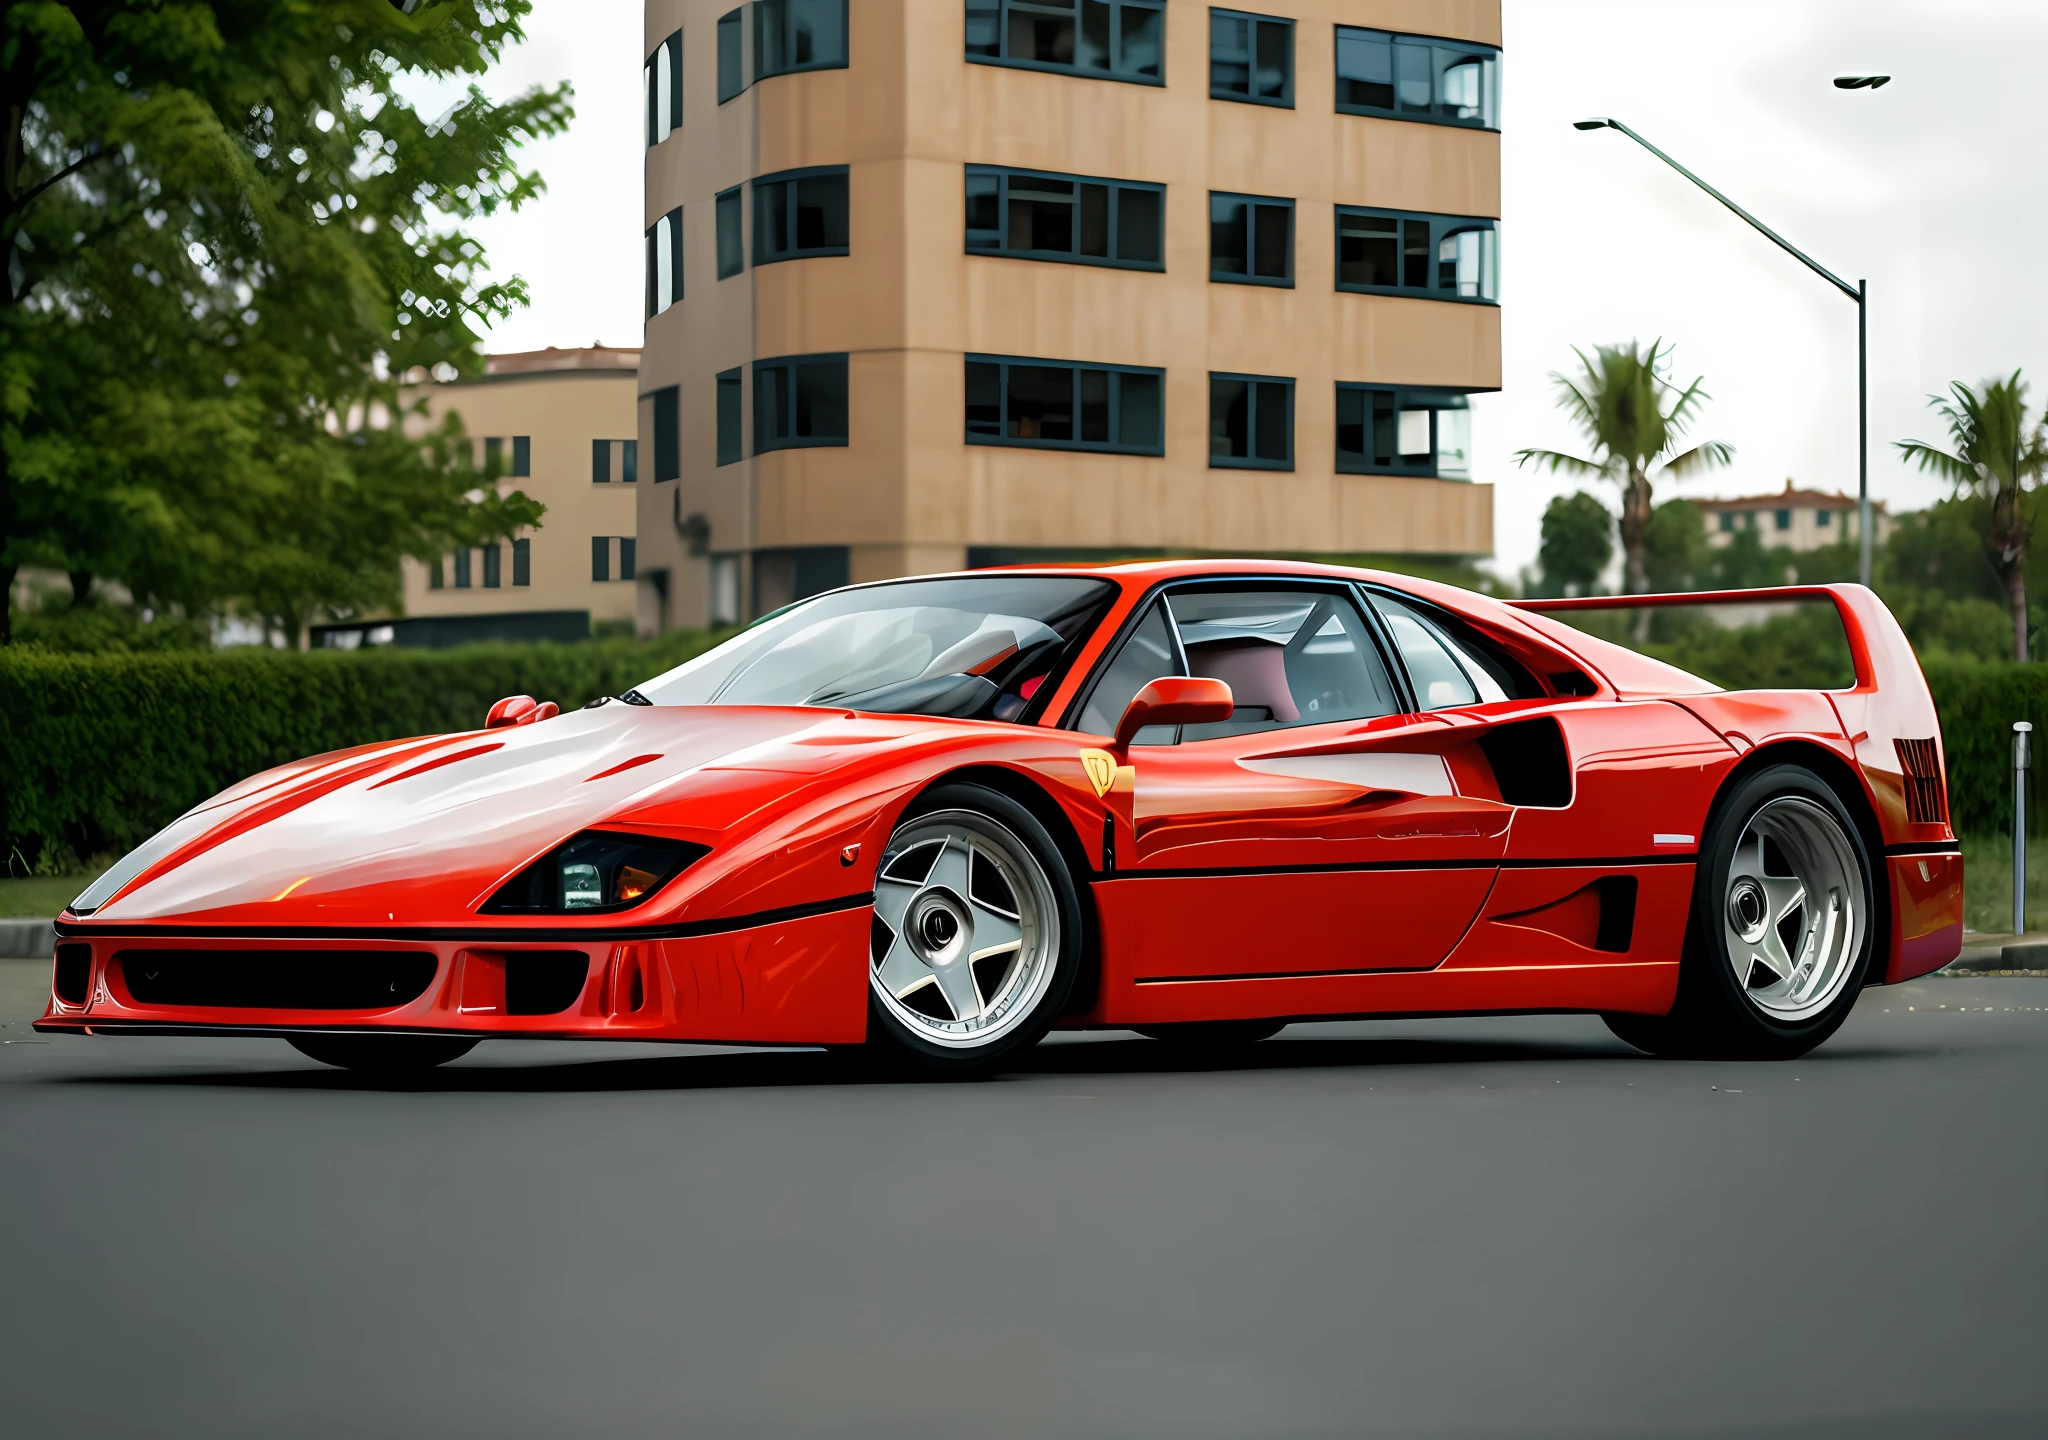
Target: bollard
(2021,759)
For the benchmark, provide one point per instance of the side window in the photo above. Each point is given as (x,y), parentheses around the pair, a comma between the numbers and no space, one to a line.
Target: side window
(1290,657)
(1147,654)
(1444,671)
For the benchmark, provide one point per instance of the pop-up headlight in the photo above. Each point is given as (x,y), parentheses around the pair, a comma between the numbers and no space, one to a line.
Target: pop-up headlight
(594,873)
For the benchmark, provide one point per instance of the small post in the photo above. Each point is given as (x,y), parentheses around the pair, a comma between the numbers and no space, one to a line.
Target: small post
(2021,759)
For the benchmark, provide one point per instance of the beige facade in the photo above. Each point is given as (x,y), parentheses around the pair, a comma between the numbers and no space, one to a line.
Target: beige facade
(563,404)
(1793,519)
(907,493)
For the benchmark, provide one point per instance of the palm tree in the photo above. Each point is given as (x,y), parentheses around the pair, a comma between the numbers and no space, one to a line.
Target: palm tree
(1999,462)
(1619,401)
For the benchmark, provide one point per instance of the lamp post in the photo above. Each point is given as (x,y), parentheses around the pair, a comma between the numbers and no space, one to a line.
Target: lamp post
(1859,292)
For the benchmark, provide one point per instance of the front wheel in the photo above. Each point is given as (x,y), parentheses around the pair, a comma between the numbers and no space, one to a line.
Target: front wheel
(383,1054)
(977,934)
(1781,932)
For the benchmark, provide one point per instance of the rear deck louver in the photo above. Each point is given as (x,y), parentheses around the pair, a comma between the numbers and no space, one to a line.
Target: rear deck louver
(1926,797)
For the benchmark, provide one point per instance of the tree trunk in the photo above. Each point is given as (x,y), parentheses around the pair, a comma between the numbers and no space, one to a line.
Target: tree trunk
(1635,541)
(2016,598)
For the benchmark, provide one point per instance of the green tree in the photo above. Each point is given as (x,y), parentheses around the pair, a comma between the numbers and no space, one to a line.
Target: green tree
(1624,403)
(228,239)
(1578,541)
(1997,460)
(1676,555)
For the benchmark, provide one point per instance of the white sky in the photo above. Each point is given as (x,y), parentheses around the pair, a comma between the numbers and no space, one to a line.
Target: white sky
(1929,188)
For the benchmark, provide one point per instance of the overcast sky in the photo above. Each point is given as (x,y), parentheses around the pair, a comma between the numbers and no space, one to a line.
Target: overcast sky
(1929,188)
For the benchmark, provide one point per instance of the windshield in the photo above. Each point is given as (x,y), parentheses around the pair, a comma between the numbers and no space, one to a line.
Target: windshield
(982,648)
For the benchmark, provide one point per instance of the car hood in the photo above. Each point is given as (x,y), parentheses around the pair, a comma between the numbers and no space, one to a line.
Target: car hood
(421,832)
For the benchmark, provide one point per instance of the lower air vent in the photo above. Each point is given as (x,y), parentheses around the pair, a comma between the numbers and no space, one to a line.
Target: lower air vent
(1926,796)
(73,980)
(1529,762)
(277,979)
(544,982)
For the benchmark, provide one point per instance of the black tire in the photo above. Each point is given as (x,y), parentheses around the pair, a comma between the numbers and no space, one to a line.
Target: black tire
(892,1042)
(1213,1034)
(383,1054)
(1719,1016)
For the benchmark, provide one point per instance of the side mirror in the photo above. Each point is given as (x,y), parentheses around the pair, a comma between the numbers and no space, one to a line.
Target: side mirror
(519,710)
(1174,700)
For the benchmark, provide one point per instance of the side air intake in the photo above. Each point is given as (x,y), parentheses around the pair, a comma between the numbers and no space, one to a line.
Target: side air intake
(1926,795)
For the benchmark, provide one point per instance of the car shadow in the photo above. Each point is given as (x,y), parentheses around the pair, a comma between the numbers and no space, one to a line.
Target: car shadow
(769,1069)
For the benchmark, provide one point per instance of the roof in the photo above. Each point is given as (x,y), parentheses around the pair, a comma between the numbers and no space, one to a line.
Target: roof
(590,357)
(1790,498)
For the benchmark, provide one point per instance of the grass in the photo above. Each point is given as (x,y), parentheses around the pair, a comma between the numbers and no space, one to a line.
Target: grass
(39,897)
(1987,883)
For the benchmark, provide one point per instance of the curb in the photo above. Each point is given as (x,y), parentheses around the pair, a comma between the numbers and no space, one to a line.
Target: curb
(27,940)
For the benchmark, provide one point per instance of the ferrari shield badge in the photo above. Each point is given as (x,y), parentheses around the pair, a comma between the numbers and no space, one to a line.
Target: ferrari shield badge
(1101,768)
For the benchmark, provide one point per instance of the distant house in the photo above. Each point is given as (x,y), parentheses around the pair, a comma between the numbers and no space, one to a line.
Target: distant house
(1793,519)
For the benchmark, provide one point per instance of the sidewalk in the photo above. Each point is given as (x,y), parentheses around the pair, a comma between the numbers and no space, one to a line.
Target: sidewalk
(1995,954)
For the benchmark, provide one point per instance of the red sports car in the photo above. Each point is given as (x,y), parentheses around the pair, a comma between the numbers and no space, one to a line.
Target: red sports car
(938,817)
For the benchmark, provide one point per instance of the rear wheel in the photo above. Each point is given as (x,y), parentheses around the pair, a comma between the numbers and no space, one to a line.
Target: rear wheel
(1213,1034)
(1781,931)
(976,938)
(383,1054)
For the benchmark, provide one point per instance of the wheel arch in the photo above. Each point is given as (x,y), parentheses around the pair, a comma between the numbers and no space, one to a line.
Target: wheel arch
(1021,788)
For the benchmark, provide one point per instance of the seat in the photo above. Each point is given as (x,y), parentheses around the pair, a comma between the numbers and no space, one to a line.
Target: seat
(1254,669)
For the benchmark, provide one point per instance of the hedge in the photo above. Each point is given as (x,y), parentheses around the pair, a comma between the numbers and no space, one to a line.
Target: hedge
(97,752)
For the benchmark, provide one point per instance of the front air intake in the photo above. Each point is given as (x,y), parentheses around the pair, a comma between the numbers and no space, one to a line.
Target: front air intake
(277,979)
(1926,796)
(73,978)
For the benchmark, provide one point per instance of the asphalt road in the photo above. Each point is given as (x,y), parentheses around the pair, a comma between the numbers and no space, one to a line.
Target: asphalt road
(1487,1228)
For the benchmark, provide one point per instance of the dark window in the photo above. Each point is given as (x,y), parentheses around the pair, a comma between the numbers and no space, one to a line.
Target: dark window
(1251,240)
(732,65)
(732,250)
(522,454)
(626,570)
(600,462)
(1727,520)
(435,580)
(668,434)
(600,557)
(1784,519)
(798,35)
(1065,405)
(462,568)
(1251,422)
(494,453)
(1407,77)
(665,262)
(1446,257)
(1251,57)
(729,442)
(1106,39)
(1403,432)
(799,400)
(1075,218)
(662,79)
(629,461)
(799,213)
(1823,518)
(493,560)
(522,562)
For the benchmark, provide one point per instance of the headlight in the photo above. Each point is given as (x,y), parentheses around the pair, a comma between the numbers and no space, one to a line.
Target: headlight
(593,873)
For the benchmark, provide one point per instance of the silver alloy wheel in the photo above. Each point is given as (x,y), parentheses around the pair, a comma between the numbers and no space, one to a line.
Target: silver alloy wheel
(1794,912)
(967,932)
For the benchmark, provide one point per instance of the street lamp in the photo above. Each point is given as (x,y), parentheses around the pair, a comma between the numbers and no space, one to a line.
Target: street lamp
(1859,292)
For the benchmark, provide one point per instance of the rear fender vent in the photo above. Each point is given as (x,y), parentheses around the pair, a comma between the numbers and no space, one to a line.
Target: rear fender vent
(73,978)
(1529,762)
(277,979)
(1926,795)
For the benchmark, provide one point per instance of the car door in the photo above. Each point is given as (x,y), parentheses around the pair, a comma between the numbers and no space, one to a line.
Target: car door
(1325,828)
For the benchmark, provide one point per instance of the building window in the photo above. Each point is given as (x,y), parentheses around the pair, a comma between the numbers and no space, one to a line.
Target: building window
(1065,405)
(600,557)
(629,461)
(602,453)
(1103,39)
(1251,57)
(1407,77)
(1446,257)
(1784,519)
(665,262)
(522,562)
(732,251)
(462,568)
(1727,522)
(668,434)
(1403,432)
(798,35)
(435,580)
(662,84)
(1251,240)
(493,558)
(1251,422)
(522,455)
(799,400)
(494,454)
(600,462)
(1823,518)
(799,213)
(732,64)
(626,547)
(1034,215)
(730,444)
(725,589)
